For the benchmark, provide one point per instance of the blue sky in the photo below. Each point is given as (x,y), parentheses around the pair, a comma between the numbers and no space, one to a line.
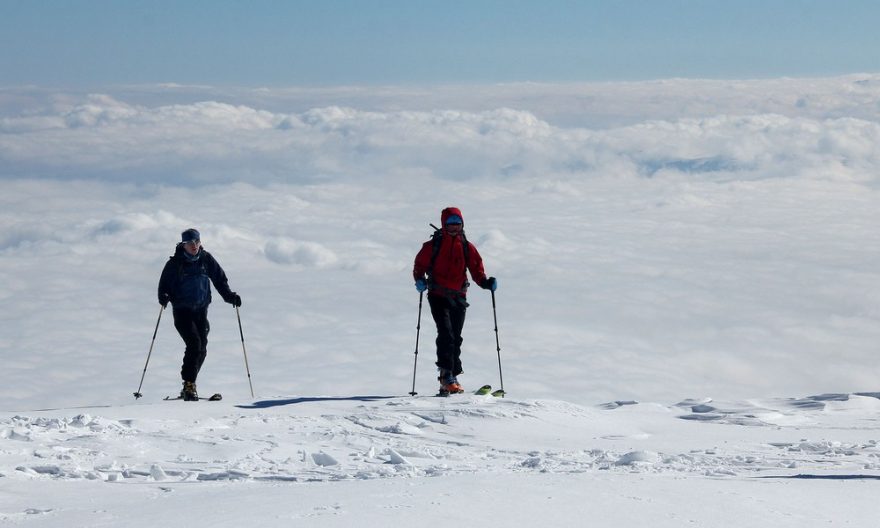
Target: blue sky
(94,43)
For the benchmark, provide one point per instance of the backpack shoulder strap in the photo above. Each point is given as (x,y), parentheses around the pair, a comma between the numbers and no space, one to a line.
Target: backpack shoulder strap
(466,247)
(436,241)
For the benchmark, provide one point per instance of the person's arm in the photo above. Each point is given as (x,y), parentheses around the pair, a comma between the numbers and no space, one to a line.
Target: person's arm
(421,265)
(166,283)
(218,278)
(478,274)
(422,262)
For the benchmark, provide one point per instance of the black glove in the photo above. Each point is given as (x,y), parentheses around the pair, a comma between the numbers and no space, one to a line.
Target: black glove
(234,299)
(489,284)
(163,299)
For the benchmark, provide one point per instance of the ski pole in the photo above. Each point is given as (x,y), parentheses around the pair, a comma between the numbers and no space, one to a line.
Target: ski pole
(416,358)
(243,349)
(497,345)
(138,393)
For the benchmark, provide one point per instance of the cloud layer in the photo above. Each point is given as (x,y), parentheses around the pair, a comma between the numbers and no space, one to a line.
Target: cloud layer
(721,131)
(709,253)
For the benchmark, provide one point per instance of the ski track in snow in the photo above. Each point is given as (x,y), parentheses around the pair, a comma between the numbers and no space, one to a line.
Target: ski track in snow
(328,439)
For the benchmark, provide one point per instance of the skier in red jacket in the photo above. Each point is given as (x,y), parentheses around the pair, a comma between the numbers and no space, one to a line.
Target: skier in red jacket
(440,268)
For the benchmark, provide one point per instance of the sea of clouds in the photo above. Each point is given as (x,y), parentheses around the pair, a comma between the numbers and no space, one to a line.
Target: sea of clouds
(823,129)
(654,240)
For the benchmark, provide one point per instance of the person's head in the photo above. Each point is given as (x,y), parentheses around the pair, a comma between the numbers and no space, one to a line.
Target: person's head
(191,240)
(452,220)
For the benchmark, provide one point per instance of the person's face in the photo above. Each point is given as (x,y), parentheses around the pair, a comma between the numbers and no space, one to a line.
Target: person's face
(453,229)
(192,247)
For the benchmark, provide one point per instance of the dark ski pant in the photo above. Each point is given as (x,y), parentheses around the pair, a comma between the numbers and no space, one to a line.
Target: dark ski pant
(193,327)
(449,315)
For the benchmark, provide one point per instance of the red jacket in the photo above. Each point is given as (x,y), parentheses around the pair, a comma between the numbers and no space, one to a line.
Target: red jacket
(449,266)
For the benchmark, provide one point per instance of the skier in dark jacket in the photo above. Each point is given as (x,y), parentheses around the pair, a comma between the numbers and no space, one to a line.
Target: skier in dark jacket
(184,282)
(440,267)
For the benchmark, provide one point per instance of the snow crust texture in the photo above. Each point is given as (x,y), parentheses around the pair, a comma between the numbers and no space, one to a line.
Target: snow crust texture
(358,438)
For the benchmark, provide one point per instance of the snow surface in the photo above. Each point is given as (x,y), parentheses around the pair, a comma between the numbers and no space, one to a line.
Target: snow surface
(688,310)
(371,460)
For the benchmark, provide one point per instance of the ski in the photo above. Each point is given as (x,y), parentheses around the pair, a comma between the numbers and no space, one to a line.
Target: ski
(482,391)
(487,389)
(214,397)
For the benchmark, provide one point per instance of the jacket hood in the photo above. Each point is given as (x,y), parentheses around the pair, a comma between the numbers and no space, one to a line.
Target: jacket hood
(450,211)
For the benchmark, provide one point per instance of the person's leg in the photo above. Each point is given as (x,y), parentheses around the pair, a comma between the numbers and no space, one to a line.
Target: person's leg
(202,327)
(456,320)
(440,311)
(187,326)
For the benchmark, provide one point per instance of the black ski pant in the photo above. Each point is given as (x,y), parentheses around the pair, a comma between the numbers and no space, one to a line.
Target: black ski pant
(193,327)
(449,314)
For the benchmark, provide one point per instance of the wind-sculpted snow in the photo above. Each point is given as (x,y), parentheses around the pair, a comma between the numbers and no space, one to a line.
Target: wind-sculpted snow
(336,439)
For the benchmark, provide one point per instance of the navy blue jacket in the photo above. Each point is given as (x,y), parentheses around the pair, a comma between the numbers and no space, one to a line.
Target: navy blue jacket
(186,280)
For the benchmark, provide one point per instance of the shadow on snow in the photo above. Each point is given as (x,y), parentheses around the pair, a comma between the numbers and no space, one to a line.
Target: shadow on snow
(807,476)
(264,404)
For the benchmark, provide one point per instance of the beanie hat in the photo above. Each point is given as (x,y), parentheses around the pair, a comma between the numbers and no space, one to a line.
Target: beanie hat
(190,235)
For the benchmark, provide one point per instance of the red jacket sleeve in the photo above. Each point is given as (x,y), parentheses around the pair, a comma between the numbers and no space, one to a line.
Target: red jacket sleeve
(475,265)
(423,261)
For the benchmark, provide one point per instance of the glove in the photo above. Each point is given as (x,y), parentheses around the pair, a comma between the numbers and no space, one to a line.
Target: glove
(490,284)
(163,299)
(234,299)
(421,285)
